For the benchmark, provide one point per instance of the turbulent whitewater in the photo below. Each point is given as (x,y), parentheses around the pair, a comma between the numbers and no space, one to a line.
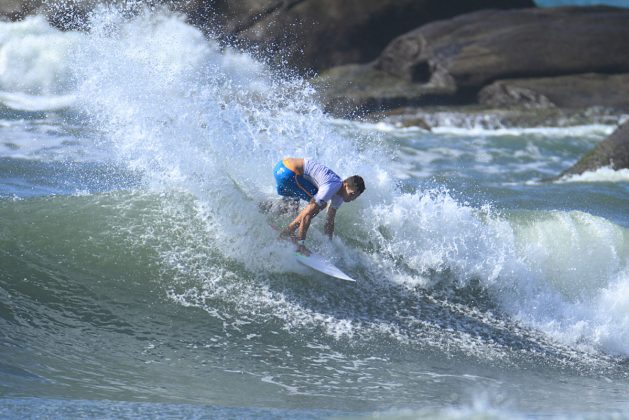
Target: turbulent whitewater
(139,274)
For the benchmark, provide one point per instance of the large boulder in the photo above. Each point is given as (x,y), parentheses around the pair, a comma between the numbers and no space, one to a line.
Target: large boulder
(578,91)
(319,34)
(612,152)
(473,50)
(450,61)
(353,90)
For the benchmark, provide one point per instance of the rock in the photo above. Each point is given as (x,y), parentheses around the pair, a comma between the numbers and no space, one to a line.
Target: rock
(513,94)
(470,51)
(17,9)
(354,90)
(415,122)
(319,34)
(449,62)
(579,91)
(612,152)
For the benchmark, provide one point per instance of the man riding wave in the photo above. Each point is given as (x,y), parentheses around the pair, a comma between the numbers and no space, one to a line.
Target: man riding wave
(311,181)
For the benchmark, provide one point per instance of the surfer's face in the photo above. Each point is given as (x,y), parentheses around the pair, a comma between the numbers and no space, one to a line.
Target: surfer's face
(349,193)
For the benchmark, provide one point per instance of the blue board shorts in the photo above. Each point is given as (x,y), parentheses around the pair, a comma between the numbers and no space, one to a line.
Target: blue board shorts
(289,184)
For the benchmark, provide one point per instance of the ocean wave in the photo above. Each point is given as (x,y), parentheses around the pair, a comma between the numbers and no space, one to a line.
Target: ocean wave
(212,122)
(476,126)
(137,284)
(203,126)
(468,270)
(578,259)
(551,270)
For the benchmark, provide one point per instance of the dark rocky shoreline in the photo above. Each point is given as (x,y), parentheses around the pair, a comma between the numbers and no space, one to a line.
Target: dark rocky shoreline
(375,56)
(543,58)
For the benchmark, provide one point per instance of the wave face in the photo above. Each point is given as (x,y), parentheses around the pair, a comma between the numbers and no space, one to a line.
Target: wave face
(137,265)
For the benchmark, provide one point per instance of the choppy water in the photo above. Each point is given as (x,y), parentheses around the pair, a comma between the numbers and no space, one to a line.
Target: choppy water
(140,279)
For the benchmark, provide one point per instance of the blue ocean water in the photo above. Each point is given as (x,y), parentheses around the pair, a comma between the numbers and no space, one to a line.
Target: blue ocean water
(140,278)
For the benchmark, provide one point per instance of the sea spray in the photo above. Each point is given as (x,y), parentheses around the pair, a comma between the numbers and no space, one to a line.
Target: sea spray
(203,120)
(431,231)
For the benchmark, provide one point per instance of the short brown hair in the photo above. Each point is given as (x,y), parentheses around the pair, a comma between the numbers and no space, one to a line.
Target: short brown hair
(357,182)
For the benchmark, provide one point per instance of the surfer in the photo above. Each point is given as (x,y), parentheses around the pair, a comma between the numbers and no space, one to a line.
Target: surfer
(311,181)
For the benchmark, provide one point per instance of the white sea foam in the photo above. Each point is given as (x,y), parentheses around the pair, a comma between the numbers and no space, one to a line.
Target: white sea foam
(562,272)
(45,140)
(604,174)
(24,102)
(594,123)
(581,131)
(480,408)
(478,128)
(435,232)
(581,262)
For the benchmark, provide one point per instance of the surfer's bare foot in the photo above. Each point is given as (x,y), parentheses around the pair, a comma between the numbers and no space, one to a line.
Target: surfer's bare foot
(303,250)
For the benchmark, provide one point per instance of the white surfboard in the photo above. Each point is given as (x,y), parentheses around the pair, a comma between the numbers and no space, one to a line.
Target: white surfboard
(322,265)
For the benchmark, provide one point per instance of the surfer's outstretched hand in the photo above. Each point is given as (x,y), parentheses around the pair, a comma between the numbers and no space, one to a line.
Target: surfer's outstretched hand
(287,235)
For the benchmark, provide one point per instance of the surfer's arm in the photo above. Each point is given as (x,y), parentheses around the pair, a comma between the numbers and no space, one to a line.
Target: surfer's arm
(329,222)
(302,222)
(311,210)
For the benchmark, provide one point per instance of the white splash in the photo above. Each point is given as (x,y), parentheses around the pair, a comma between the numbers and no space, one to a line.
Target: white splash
(604,174)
